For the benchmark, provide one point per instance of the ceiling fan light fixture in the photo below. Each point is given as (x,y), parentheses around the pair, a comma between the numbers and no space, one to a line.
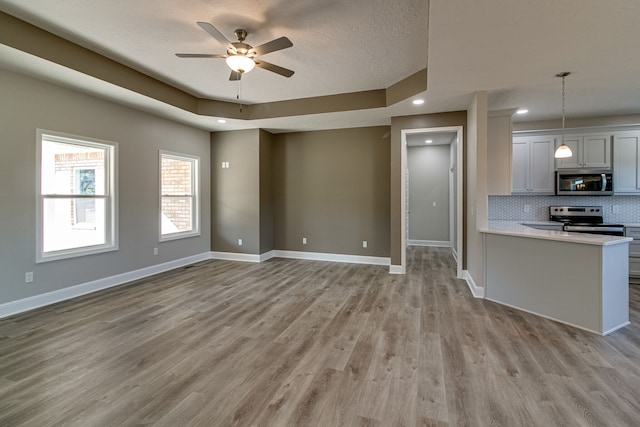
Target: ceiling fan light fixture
(240,63)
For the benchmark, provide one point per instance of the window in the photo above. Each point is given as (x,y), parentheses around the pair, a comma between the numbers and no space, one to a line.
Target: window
(178,196)
(76,208)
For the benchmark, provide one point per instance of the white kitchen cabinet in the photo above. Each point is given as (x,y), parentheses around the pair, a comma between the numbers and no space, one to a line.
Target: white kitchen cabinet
(589,151)
(626,163)
(532,165)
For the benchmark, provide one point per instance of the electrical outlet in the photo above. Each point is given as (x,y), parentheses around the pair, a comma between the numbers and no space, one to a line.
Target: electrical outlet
(239,242)
(527,208)
(434,204)
(304,240)
(155,251)
(28,277)
(364,244)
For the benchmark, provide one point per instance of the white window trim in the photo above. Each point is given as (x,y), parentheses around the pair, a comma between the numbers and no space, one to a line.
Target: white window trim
(111,197)
(195,161)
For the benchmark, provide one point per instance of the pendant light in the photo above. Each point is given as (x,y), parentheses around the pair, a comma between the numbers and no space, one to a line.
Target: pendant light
(563,150)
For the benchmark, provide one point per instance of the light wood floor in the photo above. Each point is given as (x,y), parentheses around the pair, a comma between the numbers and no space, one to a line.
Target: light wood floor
(287,343)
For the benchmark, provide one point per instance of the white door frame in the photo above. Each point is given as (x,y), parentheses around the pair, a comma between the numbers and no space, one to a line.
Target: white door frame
(459,193)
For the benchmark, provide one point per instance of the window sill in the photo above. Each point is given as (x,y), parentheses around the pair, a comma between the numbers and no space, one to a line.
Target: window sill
(74,253)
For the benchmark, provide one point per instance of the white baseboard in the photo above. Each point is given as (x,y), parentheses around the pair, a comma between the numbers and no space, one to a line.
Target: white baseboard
(36,301)
(234,256)
(615,328)
(397,269)
(267,256)
(454,253)
(476,291)
(434,243)
(320,256)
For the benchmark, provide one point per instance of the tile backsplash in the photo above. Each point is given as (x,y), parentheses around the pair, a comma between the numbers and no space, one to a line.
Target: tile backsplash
(627,208)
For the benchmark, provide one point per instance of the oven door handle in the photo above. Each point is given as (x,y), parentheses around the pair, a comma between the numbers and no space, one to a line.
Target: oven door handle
(604,182)
(595,230)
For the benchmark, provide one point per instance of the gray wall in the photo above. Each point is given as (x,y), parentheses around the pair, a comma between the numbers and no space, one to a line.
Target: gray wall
(27,104)
(428,183)
(267,242)
(332,187)
(235,192)
(476,186)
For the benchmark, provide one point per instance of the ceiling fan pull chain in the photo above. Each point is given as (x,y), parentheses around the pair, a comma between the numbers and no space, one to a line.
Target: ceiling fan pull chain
(238,94)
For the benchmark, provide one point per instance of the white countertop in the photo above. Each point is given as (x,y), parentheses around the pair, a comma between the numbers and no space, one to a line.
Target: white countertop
(518,229)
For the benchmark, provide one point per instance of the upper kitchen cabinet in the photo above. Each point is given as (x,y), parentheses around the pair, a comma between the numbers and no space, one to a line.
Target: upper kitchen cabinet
(589,151)
(626,162)
(532,167)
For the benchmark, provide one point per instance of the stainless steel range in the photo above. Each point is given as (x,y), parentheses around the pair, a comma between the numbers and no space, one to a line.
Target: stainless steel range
(584,219)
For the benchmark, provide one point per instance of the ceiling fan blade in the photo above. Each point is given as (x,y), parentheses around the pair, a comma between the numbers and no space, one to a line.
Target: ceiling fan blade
(273,45)
(235,76)
(273,68)
(200,55)
(213,32)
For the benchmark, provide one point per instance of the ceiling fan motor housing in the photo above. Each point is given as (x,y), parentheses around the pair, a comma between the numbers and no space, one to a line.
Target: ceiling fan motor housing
(240,48)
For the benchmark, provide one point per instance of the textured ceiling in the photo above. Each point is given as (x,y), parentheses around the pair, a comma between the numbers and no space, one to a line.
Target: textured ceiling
(338,46)
(511,49)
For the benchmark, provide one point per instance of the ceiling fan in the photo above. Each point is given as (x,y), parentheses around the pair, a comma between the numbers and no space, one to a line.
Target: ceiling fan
(240,56)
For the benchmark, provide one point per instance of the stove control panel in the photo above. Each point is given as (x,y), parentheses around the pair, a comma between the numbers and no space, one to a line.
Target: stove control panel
(575,210)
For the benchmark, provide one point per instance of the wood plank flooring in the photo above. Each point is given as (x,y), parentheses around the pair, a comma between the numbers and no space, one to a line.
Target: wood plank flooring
(303,343)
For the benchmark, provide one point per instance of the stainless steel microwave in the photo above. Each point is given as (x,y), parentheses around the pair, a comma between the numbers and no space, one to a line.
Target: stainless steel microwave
(584,182)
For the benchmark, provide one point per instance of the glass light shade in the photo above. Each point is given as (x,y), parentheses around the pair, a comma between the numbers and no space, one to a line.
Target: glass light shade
(563,152)
(240,63)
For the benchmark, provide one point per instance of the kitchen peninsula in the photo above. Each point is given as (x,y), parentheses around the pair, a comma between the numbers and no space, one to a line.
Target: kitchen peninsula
(578,279)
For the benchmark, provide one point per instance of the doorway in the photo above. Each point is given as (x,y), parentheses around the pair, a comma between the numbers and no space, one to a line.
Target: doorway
(451,136)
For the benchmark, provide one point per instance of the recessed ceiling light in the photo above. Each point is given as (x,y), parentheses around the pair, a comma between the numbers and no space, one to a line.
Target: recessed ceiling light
(429,141)
(418,101)
(522,111)
(222,121)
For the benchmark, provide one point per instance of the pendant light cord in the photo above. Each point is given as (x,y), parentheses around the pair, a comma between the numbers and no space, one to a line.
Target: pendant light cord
(563,77)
